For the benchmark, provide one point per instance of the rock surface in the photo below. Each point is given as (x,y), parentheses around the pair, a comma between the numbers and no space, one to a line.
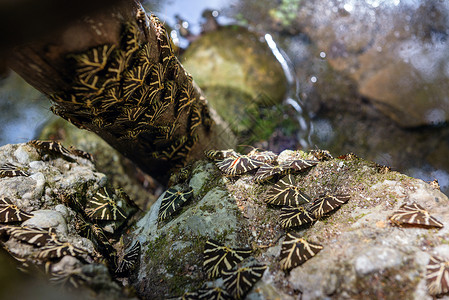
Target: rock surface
(364,255)
(56,196)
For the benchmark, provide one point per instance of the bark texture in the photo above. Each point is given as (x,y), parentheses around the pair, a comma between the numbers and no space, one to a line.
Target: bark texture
(115,73)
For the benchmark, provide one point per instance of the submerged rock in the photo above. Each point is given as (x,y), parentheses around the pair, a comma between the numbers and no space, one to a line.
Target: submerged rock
(364,255)
(242,80)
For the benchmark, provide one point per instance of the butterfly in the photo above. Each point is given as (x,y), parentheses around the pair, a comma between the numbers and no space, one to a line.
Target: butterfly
(213,293)
(218,258)
(130,259)
(326,203)
(172,201)
(220,154)
(322,155)
(81,153)
(51,147)
(295,217)
(267,171)
(264,156)
(239,282)
(296,251)
(286,193)
(300,164)
(414,214)
(437,276)
(33,235)
(10,213)
(233,166)
(10,170)
(102,206)
(60,249)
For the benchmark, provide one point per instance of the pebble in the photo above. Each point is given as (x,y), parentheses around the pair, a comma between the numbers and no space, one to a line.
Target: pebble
(48,219)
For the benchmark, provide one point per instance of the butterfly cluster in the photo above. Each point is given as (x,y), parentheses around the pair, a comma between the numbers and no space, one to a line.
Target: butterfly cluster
(98,215)
(223,261)
(128,91)
(297,208)
(265,163)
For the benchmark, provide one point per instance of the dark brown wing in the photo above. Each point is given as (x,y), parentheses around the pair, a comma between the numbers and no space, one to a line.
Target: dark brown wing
(296,251)
(218,257)
(327,203)
(239,282)
(172,201)
(233,166)
(295,217)
(414,214)
(437,276)
(286,193)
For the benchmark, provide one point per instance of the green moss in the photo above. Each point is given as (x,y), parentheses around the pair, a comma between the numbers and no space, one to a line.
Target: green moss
(177,275)
(208,208)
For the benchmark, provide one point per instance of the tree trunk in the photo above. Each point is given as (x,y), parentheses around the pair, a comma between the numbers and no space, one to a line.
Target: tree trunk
(115,73)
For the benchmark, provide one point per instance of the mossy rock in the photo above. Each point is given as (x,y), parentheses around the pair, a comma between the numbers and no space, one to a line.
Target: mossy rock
(237,72)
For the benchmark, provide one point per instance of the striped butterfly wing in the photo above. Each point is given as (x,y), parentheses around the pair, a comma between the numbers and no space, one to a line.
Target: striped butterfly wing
(295,217)
(267,157)
(240,282)
(437,276)
(221,154)
(327,203)
(296,251)
(50,147)
(81,153)
(10,213)
(233,166)
(218,257)
(299,164)
(266,172)
(172,202)
(130,260)
(103,207)
(35,236)
(286,193)
(414,214)
(11,170)
(213,293)
(60,249)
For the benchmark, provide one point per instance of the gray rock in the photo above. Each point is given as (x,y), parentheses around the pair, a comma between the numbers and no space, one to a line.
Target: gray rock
(363,253)
(48,219)
(375,259)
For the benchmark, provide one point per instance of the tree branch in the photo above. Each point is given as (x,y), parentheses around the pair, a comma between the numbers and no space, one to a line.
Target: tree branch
(115,73)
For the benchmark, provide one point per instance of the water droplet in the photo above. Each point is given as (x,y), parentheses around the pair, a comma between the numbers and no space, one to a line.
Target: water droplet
(348,7)
(322,54)
(313,79)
